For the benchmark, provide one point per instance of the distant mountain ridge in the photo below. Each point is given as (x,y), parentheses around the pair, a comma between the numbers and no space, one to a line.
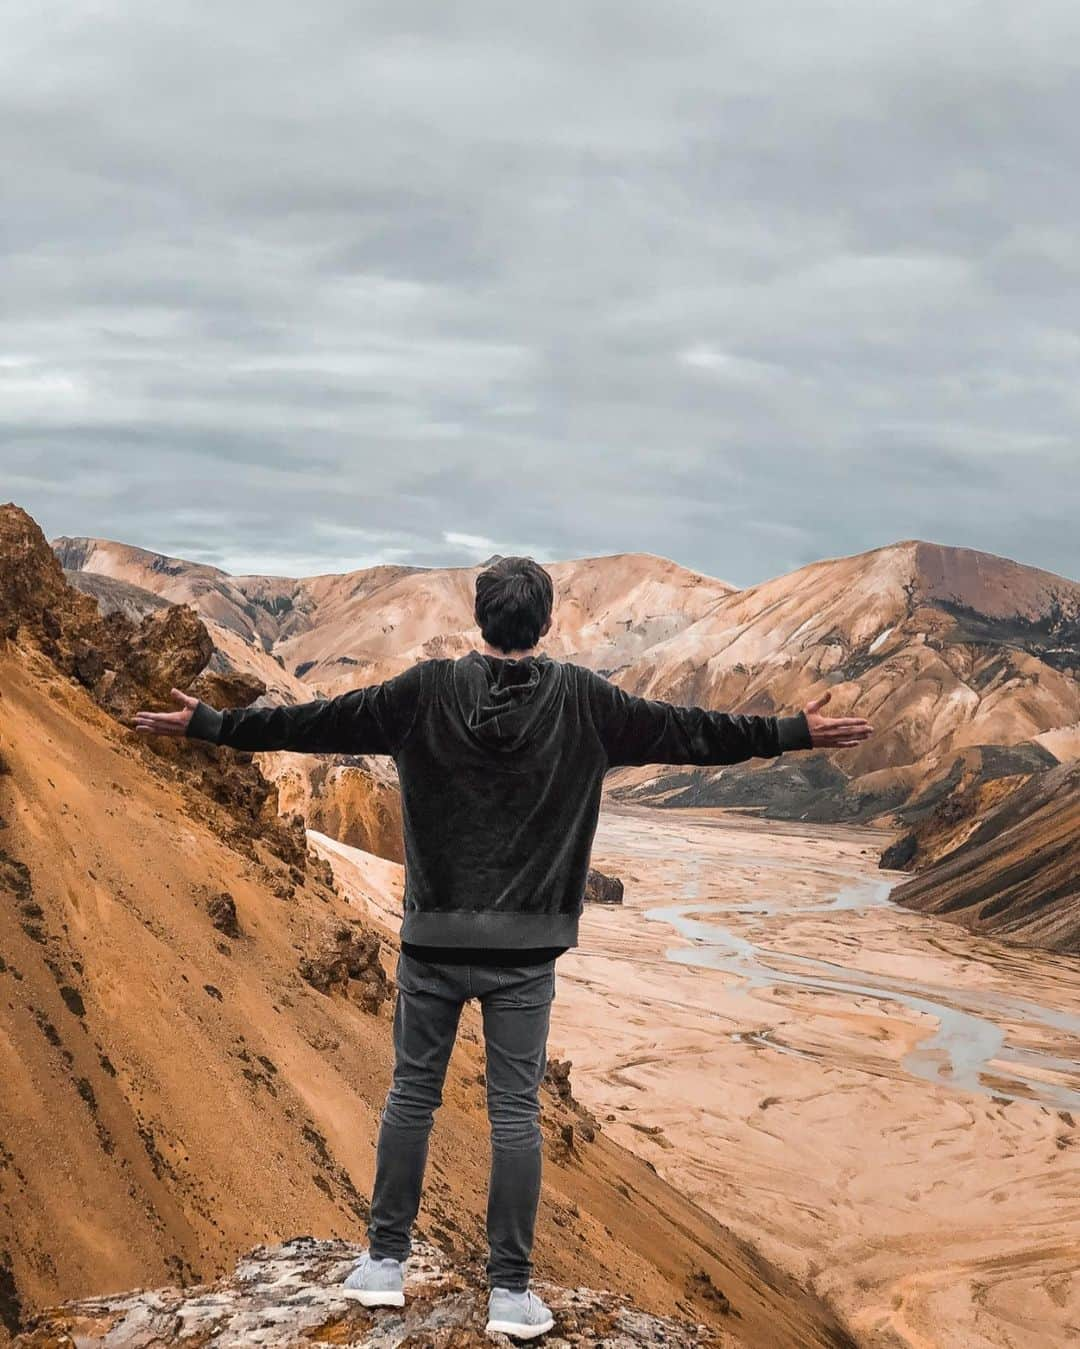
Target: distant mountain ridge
(958,657)
(348,628)
(943,649)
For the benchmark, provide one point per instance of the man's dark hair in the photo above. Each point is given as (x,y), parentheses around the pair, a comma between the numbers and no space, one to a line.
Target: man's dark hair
(513,602)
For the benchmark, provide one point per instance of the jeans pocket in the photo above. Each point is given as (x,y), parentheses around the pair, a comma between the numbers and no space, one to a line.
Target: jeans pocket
(528,985)
(417,976)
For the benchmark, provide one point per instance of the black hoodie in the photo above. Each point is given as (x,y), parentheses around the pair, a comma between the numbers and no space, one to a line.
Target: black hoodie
(501,762)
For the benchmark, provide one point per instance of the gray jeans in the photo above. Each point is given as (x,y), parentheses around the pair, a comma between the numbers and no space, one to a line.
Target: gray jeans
(515,1001)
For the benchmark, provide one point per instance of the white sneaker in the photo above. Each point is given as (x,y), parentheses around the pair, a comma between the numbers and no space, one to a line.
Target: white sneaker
(521,1315)
(376,1283)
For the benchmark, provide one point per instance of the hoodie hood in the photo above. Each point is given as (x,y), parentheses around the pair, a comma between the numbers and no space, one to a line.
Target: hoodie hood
(506,702)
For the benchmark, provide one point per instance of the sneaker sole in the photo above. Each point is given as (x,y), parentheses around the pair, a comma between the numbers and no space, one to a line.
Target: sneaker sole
(373,1299)
(519,1331)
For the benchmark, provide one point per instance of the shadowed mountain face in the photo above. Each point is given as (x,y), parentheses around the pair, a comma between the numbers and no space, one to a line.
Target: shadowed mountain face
(1008,866)
(195,1022)
(961,659)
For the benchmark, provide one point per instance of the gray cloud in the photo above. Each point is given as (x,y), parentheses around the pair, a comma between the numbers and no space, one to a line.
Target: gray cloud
(306,288)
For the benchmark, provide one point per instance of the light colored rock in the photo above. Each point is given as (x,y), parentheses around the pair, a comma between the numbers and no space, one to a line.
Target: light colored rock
(288,1295)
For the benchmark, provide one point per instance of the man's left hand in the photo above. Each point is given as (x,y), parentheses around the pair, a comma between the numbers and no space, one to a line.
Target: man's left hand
(834,732)
(168,723)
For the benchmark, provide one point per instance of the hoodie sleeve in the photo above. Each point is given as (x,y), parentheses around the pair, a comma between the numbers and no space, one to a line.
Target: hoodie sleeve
(645,730)
(372,720)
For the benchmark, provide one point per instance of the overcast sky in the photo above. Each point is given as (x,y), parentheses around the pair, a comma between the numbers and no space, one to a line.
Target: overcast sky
(304,287)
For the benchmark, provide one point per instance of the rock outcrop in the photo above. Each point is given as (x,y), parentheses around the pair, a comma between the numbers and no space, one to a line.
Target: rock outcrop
(348,961)
(122,662)
(126,664)
(575,1123)
(222,910)
(602,889)
(282,1297)
(353,798)
(38,605)
(947,815)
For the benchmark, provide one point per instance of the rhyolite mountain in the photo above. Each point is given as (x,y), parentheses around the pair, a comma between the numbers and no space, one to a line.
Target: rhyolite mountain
(195,1018)
(956,657)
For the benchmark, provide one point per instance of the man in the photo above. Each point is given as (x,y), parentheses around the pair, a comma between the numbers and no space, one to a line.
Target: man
(501,756)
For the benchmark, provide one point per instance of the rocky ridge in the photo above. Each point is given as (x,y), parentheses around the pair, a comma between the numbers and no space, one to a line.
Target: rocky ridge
(126,663)
(948,651)
(284,1296)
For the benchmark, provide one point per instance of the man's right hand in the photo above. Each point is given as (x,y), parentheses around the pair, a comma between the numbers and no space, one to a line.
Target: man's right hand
(834,732)
(168,723)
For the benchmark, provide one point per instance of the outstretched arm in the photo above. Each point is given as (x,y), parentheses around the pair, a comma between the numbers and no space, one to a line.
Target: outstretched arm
(646,730)
(372,720)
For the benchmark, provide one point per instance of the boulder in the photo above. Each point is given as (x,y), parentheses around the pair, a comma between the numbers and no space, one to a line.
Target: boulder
(222,910)
(348,962)
(602,889)
(572,1121)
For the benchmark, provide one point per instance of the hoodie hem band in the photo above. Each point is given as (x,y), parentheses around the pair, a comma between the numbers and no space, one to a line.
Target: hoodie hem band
(489,928)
